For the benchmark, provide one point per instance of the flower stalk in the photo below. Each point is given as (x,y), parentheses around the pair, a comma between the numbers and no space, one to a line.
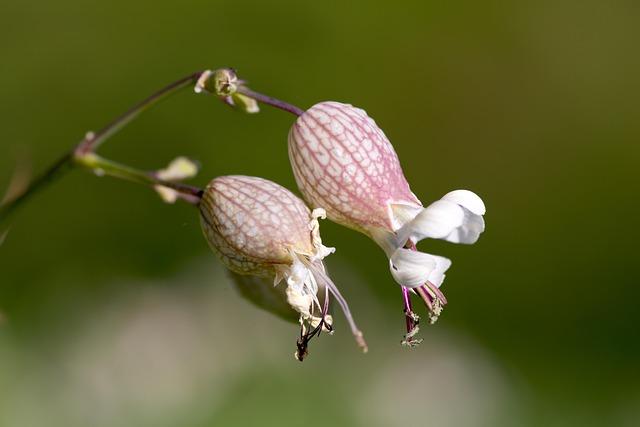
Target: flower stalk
(101,166)
(225,84)
(90,144)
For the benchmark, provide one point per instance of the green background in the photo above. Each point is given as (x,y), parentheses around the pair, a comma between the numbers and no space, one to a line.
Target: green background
(114,312)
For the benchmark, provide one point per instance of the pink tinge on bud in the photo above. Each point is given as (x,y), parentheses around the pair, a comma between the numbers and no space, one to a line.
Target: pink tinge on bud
(344,163)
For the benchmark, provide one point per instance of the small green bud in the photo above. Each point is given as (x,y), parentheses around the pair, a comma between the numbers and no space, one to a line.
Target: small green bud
(221,82)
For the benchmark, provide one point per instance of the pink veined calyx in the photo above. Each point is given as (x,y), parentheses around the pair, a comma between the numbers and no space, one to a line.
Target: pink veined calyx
(271,242)
(343,162)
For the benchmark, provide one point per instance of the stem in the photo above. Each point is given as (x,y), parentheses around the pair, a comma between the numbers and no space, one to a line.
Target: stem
(290,108)
(102,166)
(91,142)
(11,206)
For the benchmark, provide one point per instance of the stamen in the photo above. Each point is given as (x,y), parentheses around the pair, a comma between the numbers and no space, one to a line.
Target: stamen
(438,292)
(433,299)
(324,280)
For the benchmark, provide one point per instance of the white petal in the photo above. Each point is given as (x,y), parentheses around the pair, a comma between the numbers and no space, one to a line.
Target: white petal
(411,268)
(402,213)
(437,275)
(467,199)
(436,221)
(454,218)
(470,230)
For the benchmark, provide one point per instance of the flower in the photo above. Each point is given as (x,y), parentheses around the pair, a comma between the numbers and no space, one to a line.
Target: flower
(262,230)
(343,162)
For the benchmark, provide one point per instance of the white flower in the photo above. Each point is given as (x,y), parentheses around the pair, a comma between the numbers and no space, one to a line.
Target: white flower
(343,162)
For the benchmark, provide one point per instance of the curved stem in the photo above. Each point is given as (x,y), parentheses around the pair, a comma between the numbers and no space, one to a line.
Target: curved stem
(91,142)
(290,108)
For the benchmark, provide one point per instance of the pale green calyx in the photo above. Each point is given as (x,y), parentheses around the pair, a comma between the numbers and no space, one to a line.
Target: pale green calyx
(221,82)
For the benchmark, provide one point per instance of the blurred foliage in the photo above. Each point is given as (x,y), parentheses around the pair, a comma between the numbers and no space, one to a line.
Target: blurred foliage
(533,105)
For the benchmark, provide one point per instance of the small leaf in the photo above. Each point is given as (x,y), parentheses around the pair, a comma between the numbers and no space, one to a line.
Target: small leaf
(179,169)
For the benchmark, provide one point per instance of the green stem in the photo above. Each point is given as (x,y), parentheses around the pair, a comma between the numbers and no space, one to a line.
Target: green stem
(93,141)
(90,143)
(102,166)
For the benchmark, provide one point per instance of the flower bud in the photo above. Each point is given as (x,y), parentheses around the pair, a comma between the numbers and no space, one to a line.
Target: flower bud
(221,82)
(261,229)
(261,292)
(343,162)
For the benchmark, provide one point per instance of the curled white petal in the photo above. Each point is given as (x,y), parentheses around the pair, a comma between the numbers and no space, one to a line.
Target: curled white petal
(436,221)
(467,199)
(457,218)
(412,268)
(470,230)
(437,275)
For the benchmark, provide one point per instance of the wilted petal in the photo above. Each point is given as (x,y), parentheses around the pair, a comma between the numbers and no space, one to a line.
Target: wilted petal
(412,268)
(260,228)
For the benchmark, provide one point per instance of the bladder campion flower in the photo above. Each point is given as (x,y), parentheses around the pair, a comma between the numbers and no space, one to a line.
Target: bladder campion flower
(343,162)
(261,229)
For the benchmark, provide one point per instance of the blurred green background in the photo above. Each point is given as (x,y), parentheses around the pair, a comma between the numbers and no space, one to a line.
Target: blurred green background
(114,312)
